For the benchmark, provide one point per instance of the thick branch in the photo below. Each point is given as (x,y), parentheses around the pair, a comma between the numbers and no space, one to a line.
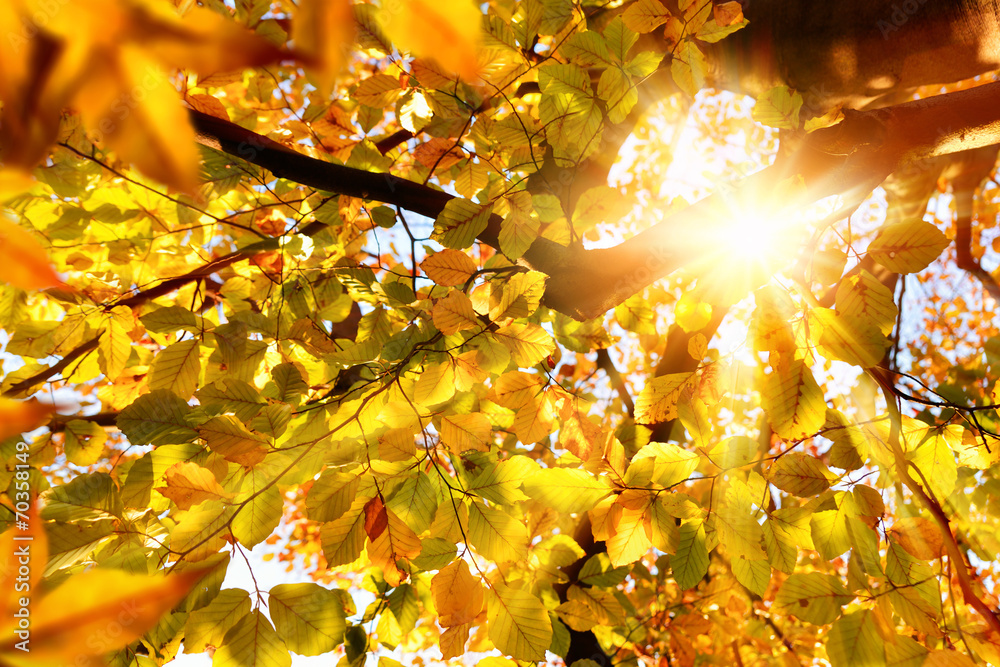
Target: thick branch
(851,158)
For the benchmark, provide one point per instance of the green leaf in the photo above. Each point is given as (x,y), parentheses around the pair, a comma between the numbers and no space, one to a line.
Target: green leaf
(308,617)
(252,642)
(519,624)
(586,49)
(289,384)
(813,597)
(793,400)
(259,510)
(209,625)
(620,39)
(461,221)
(567,490)
(157,418)
(598,571)
(690,564)
(176,369)
(170,319)
(779,108)
(343,539)
(855,640)
(908,247)
(711,32)
(233,396)
(564,79)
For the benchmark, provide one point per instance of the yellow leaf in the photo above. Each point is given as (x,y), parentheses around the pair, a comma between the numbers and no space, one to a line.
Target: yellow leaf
(630,537)
(449,267)
(454,313)
(23,261)
(519,624)
(458,595)
(793,401)
(446,30)
(189,484)
(658,400)
(396,542)
(464,432)
(692,314)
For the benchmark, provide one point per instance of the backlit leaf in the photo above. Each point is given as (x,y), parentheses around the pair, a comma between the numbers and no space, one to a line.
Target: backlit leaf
(793,401)
(189,484)
(252,642)
(24,262)
(658,400)
(518,624)
(908,247)
(813,597)
(447,31)
(460,223)
(565,489)
(308,617)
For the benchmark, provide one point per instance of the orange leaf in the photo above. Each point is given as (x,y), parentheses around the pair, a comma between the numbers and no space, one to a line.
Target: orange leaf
(324,31)
(919,537)
(24,262)
(130,103)
(88,615)
(376,518)
(446,30)
(93,613)
(18,417)
(728,13)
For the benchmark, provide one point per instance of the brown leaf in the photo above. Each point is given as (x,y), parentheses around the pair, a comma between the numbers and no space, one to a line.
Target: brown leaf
(376,518)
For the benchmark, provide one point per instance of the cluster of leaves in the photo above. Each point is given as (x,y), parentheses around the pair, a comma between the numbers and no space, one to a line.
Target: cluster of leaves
(253,350)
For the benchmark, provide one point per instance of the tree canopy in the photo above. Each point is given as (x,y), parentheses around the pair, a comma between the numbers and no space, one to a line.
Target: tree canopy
(530,330)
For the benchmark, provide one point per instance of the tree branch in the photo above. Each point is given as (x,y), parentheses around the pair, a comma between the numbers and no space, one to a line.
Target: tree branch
(955,554)
(851,159)
(22,387)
